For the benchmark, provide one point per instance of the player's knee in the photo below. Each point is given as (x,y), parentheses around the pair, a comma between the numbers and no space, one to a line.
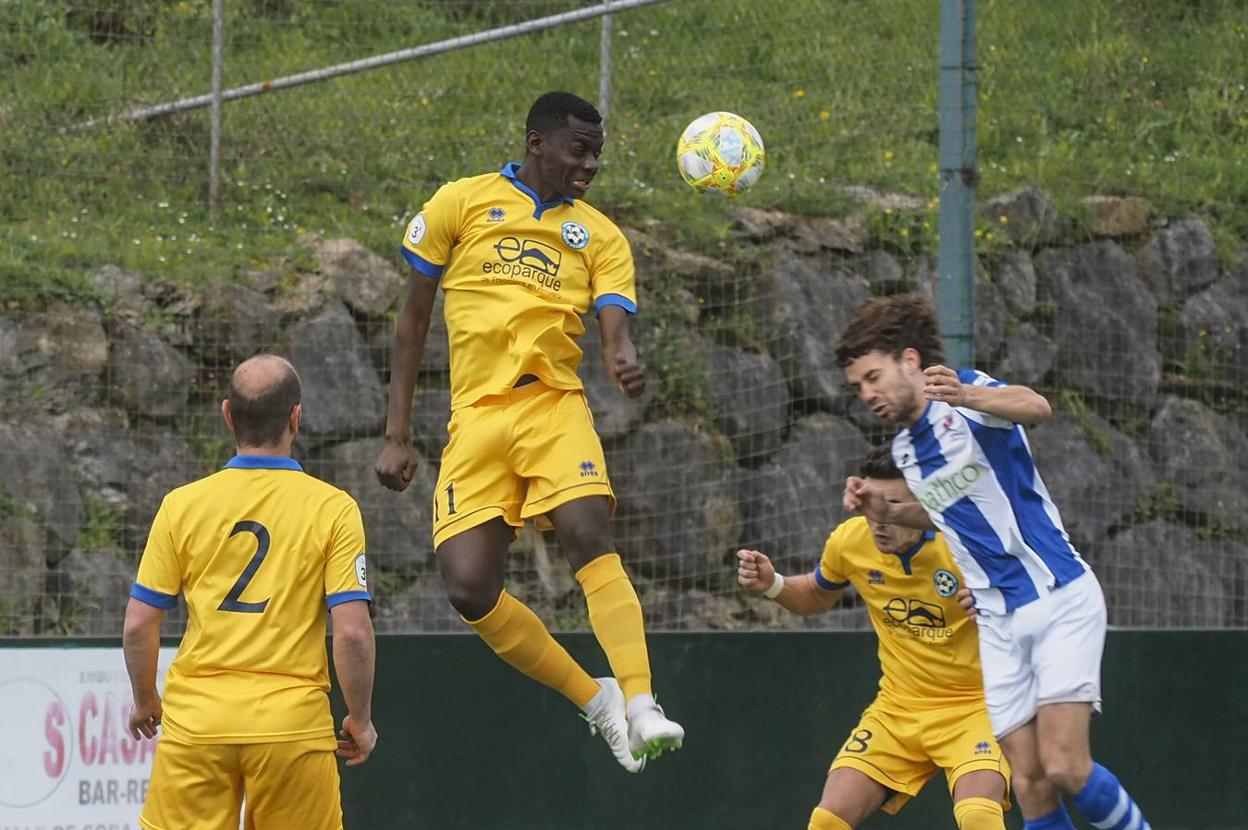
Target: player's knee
(979,814)
(1031,787)
(473,600)
(584,541)
(1068,773)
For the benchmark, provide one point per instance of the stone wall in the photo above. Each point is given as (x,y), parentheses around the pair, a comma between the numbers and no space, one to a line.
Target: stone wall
(1128,321)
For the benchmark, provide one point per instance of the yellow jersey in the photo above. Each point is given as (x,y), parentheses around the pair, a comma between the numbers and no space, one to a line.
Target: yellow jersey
(260,550)
(928,647)
(517,274)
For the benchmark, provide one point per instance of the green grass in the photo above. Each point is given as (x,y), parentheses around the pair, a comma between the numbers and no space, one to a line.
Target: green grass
(1077,96)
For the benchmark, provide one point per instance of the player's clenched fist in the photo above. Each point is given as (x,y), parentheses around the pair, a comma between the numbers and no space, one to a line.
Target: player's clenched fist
(940,383)
(356,741)
(755,571)
(851,499)
(396,465)
(623,368)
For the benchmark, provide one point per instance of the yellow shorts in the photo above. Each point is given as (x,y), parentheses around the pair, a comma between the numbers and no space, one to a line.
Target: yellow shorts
(517,456)
(201,786)
(901,748)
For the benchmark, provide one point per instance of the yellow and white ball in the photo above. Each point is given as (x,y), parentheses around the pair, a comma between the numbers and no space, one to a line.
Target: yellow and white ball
(720,151)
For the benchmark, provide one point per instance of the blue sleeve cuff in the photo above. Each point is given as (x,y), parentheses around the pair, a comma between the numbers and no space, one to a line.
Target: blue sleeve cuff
(615,299)
(421,264)
(347,596)
(827,584)
(153,598)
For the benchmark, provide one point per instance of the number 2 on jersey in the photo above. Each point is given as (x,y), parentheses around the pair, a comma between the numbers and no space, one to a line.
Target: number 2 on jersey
(232,601)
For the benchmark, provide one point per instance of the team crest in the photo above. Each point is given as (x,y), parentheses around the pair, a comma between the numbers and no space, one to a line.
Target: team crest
(946,583)
(416,230)
(575,235)
(495,214)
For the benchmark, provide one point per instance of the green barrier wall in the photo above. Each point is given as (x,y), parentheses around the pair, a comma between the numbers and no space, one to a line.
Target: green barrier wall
(468,743)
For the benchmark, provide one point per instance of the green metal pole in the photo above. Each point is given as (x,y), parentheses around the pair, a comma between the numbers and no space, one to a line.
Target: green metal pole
(955,288)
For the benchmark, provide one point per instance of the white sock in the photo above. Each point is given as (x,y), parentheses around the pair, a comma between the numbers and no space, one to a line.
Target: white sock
(597,702)
(640,703)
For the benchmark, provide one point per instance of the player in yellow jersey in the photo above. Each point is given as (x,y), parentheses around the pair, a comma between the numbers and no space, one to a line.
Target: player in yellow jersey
(930,712)
(260,552)
(520,258)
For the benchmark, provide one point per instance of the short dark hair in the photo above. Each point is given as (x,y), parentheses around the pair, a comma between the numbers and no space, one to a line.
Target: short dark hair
(259,420)
(892,325)
(879,463)
(550,112)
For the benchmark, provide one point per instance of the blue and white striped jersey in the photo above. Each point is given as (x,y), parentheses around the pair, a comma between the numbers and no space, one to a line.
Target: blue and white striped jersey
(975,475)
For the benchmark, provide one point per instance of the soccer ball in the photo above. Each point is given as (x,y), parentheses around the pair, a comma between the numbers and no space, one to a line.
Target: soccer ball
(720,151)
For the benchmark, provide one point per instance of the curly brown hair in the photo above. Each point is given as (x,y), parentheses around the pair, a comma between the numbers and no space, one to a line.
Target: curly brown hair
(879,464)
(892,325)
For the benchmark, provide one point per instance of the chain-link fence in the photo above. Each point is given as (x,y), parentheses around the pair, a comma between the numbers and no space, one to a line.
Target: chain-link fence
(1111,236)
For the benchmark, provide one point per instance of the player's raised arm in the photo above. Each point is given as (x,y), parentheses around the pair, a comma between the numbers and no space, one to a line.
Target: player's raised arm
(618,352)
(398,459)
(799,594)
(1017,404)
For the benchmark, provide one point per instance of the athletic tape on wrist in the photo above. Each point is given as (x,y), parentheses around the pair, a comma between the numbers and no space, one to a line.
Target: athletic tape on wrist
(777,586)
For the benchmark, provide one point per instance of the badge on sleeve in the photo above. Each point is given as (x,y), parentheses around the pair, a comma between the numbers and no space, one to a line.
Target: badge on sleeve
(416,230)
(361,571)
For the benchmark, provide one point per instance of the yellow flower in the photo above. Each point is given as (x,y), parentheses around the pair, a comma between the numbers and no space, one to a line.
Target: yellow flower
(824,115)
(979,233)
(799,93)
(888,155)
(1003,219)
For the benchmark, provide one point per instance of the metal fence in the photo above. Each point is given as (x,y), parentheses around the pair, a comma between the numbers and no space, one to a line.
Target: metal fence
(1111,276)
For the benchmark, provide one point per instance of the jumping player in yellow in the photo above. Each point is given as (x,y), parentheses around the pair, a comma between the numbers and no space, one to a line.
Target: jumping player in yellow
(520,258)
(930,713)
(259,551)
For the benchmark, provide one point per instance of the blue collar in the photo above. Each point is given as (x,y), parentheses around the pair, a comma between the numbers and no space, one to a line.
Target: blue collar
(263,462)
(908,554)
(509,171)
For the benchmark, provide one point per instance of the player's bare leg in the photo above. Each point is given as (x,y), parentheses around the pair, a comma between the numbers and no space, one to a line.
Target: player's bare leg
(472,565)
(1066,753)
(849,797)
(1062,732)
(1038,799)
(584,532)
(977,799)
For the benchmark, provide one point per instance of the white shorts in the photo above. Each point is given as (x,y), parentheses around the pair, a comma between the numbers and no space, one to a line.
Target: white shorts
(1047,651)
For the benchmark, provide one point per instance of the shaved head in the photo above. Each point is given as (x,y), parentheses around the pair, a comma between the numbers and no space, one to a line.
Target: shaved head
(263,391)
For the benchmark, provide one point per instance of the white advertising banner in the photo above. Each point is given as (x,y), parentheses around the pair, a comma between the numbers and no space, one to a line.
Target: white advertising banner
(67,760)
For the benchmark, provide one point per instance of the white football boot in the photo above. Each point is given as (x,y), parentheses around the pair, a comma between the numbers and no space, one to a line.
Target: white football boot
(605,715)
(650,732)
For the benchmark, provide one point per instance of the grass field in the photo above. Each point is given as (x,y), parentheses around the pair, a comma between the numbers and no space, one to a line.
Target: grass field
(1076,96)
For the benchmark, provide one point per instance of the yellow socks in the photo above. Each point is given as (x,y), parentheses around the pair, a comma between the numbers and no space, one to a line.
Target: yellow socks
(978,814)
(821,819)
(519,637)
(615,614)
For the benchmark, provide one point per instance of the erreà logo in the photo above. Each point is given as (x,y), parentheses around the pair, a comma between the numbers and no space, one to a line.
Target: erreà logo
(940,491)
